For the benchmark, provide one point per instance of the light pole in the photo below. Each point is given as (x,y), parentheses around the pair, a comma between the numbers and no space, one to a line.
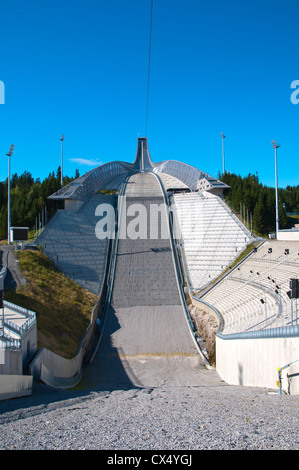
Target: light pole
(223,137)
(9,154)
(62,139)
(275,146)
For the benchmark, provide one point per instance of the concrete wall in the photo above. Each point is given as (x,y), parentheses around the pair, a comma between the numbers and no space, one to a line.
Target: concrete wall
(288,235)
(29,345)
(58,371)
(73,204)
(14,386)
(204,306)
(11,362)
(57,365)
(254,362)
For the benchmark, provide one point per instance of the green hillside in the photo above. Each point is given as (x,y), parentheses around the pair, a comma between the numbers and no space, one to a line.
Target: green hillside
(63,308)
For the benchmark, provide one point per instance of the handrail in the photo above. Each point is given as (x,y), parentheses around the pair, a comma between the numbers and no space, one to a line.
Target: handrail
(179,274)
(30,318)
(16,308)
(10,343)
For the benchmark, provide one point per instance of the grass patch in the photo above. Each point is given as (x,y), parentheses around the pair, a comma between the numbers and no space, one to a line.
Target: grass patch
(63,308)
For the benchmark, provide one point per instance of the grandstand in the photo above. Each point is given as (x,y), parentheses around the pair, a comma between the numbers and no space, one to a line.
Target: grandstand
(70,242)
(212,236)
(254,296)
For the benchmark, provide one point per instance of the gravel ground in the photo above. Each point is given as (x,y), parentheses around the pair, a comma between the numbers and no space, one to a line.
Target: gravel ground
(218,417)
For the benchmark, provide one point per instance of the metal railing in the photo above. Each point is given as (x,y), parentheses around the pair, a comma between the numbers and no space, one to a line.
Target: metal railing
(9,326)
(179,272)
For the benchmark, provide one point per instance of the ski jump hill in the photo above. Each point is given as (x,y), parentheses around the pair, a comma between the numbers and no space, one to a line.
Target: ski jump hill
(141,235)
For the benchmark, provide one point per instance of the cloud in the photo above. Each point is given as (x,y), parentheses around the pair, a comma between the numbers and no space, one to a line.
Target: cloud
(85,161)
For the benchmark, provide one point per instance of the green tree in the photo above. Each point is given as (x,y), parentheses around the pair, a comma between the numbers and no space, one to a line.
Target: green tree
(259,215)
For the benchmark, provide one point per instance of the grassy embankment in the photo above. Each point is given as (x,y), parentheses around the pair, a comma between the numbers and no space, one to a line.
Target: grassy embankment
(63,308)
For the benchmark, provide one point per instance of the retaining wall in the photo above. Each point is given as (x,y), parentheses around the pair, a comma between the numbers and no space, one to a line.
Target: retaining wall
(58,371)
(254,362)
(14,386)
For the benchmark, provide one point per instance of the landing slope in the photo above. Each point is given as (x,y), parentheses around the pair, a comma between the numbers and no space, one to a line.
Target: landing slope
(146,341)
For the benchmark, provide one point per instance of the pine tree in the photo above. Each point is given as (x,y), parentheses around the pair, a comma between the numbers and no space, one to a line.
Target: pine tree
(259,215)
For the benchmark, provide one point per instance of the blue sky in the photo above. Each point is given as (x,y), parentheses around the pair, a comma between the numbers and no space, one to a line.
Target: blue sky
(80,69)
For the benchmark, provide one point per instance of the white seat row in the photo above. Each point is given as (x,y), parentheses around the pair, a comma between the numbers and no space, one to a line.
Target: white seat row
(212,236)
(69,240)
(238,296)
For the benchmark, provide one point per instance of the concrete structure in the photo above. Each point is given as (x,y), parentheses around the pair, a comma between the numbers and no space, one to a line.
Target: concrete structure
(112,175)
(18,345)
(254,362)
(18,337)
(18,334)
(291,234)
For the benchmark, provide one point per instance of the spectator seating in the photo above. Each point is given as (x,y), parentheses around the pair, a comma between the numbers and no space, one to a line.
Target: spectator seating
(212,236)
(69,240)
(254,295)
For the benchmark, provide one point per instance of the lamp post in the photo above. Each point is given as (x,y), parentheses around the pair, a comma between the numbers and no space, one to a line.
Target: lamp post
(62,139)
(275,146)
(9,154)
(223,137)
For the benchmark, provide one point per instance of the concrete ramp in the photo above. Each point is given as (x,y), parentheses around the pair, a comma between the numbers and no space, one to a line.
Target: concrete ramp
(146,341)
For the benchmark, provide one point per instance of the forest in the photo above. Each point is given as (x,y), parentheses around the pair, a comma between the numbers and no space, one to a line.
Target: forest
(247,197)
(29,198)
(256,202)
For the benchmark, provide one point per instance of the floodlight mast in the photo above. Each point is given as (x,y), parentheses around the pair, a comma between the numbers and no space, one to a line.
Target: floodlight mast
(223,137)
(61,170)
(9,154)
(275,146)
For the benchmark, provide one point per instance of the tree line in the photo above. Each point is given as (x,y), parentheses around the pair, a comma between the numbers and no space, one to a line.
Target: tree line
(247,195)
(28,197)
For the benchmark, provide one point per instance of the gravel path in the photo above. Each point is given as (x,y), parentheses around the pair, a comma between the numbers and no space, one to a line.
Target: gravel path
(218,417)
